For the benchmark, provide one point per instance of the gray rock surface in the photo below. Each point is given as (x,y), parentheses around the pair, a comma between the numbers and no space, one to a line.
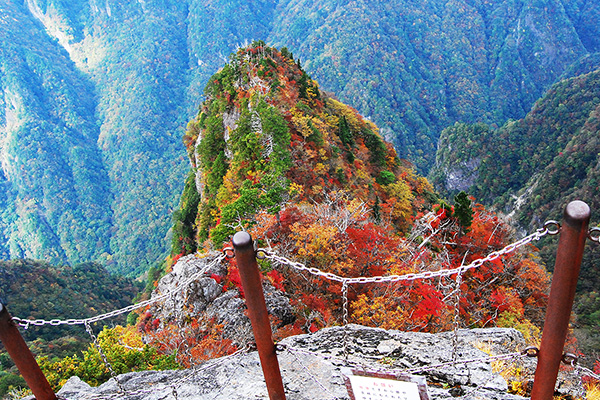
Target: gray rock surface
(313,367)
(463,175)
(205,296)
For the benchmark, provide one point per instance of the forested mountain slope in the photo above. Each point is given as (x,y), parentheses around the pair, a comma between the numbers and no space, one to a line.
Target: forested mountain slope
(415,67)
(37,290)
(531,168)
(95,95)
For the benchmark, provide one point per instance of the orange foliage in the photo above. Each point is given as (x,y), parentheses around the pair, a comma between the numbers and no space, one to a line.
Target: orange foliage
(337,236)
(193,343)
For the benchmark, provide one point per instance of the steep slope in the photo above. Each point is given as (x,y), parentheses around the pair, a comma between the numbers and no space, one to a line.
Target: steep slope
(33,290)
(418,67)
(50,164)
(118,80)
(533,167)
(311,179)
(142,65)
(266,136)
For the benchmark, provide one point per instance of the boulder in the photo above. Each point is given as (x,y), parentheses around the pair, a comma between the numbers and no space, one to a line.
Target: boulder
(206,297)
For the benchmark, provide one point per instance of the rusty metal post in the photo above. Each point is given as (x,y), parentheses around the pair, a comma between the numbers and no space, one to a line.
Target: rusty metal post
(24,360)
(573,235)
(257,310)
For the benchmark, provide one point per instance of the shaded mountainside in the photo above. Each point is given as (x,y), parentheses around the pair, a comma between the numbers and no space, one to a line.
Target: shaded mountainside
(35,290)
(415,67)
(94,96)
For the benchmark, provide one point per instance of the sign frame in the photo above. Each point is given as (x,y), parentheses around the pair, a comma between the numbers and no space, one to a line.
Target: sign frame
(419,380)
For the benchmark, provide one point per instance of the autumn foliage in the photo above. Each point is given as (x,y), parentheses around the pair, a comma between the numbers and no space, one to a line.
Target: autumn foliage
(314,181)
(339,236)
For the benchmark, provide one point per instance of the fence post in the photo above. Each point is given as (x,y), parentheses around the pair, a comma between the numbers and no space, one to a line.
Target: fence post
(24,360)
(257,310)
(573,235)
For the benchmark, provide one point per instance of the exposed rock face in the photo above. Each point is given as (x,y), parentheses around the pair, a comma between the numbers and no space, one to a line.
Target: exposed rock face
(206,296)
(462,176)
(315,368)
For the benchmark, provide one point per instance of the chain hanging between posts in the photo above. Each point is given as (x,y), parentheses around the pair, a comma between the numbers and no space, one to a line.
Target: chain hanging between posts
(345,317)
(26,323)
(113,374)
(456,321)
(594,234)
(573,361)
(549,228)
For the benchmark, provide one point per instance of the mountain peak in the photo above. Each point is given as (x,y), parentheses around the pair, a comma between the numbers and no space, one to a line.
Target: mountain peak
(267,138)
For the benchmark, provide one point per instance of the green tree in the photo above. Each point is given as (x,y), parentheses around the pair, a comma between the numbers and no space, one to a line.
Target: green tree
(463,211)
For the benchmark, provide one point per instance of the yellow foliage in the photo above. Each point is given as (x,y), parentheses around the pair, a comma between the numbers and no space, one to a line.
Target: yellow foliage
(592,391)
(129,336)
(295,189)
(531,333)
(300,122)
(356,208)
(316,189)
(378,311)
(229,191)
(355,121)
(323,154)
(320,169)
(316,241)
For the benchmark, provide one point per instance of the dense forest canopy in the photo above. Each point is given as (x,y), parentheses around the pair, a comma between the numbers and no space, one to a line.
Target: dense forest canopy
(94,97)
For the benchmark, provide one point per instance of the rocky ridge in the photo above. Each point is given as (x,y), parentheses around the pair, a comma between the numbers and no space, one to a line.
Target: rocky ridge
(313,367)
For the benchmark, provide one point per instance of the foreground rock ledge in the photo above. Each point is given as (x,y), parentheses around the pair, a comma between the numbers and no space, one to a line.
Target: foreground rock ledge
(311,377)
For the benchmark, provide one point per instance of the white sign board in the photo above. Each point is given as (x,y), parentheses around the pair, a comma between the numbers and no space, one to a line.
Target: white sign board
(385,387)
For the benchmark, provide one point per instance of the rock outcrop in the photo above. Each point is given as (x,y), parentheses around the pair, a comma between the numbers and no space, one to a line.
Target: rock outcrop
(205,296)
(314,366)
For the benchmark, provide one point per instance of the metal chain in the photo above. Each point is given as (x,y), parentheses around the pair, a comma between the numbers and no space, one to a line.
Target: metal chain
(345,313)
(587,372)
(25,323)
(580,391)
(572,360)
(579,372)
(113,374)
(537,235)
(594,234)
(456,321)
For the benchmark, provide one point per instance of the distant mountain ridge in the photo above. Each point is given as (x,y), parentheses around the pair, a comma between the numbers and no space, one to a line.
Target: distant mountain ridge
(94,96)
(531,168)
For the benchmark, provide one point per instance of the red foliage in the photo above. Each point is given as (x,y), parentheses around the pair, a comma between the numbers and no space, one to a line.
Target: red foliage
(276,279)
(234,279)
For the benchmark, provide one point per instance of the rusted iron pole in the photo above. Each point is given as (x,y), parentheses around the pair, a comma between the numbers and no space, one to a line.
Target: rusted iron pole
(24,360)
(573,235)
(257,310)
